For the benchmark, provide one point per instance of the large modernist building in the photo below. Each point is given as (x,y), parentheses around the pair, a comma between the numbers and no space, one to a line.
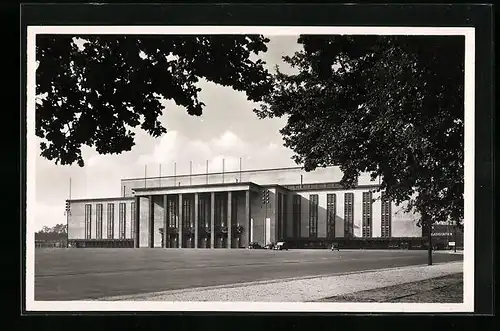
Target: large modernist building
(232,209)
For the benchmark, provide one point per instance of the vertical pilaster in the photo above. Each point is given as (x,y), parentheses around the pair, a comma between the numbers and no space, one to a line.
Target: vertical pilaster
(180,225)
(137,221)
(212,220)
(151,233)
(196,219)
(229,221)
(248,224)
(165,221)
(277,220)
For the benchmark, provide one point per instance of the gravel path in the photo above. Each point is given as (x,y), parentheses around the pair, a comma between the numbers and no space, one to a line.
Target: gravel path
(302,289)
(445,289)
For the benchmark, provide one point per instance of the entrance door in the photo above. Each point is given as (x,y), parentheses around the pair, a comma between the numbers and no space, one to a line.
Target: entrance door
(173,241)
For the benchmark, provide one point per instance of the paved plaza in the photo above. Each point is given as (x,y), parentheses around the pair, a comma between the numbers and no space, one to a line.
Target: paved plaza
(83,274)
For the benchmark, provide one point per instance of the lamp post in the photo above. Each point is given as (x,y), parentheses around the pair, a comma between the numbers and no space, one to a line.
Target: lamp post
(265,202)
(448,233)
(429,251)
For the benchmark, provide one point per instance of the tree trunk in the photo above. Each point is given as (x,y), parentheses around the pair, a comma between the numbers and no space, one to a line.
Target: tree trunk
(429,249)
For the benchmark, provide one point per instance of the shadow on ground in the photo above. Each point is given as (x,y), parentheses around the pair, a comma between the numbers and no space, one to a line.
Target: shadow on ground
(446,289)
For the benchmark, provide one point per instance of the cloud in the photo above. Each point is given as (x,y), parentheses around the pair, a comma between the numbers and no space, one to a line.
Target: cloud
(200,146)
(231,163)
(272,146)
(167,148)
(228,140)
(175,147)
(98,160)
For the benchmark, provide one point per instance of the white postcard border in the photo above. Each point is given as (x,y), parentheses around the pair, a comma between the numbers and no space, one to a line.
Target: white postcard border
(466,306)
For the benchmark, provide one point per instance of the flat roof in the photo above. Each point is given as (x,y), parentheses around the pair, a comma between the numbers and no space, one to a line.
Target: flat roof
(280,186)
(251,186)
(287,187)
(101,199)
(327,186)
(195,186)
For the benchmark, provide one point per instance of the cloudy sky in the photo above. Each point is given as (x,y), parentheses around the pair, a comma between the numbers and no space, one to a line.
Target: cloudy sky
(227,129)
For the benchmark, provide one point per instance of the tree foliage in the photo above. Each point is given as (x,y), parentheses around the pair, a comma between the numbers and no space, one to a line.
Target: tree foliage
(392,106)
(58,232)
(94,89)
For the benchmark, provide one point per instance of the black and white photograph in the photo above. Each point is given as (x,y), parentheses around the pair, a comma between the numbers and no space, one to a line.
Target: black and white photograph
(218,168)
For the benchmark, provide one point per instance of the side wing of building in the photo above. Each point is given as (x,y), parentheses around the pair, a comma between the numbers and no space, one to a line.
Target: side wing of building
(101,219)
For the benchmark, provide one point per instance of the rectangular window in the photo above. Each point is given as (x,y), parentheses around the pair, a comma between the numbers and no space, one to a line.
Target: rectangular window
(191,212)
(386,216)
(296,216)
(201,211)
(280,218)
(217,210)
(220,210)
(98,220)
(132,219)
(313,215)
(207,213)
(349,215)
(367,214)
(111,220)
(121,220)
(285,216)
(172,212)
(185,212)
(224,210)
(88,221)
(331,211)
(234,210)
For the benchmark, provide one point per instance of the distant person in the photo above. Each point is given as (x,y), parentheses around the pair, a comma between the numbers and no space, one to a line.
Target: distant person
(335,247)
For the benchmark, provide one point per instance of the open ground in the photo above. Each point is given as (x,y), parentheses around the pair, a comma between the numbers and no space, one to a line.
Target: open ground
(84,274)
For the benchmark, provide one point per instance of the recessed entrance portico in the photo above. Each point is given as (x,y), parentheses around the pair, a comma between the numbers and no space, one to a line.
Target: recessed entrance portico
(205,216)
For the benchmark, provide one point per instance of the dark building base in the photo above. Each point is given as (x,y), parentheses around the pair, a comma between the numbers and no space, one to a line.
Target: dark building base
(360,243)
(101,243)
(413,243)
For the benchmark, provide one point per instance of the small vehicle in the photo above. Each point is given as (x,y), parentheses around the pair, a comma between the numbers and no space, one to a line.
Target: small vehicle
(254,245)
(335,247)
(269,246)
(281,246)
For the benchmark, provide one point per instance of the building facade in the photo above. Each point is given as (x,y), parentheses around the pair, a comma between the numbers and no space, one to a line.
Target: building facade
(232,209)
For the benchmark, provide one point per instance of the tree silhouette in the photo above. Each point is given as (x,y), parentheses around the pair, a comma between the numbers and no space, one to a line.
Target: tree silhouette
(94,89)
(392,106)
(58,232)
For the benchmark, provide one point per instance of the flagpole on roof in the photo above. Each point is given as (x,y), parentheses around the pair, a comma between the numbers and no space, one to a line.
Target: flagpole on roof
(207,171)
(223,171)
